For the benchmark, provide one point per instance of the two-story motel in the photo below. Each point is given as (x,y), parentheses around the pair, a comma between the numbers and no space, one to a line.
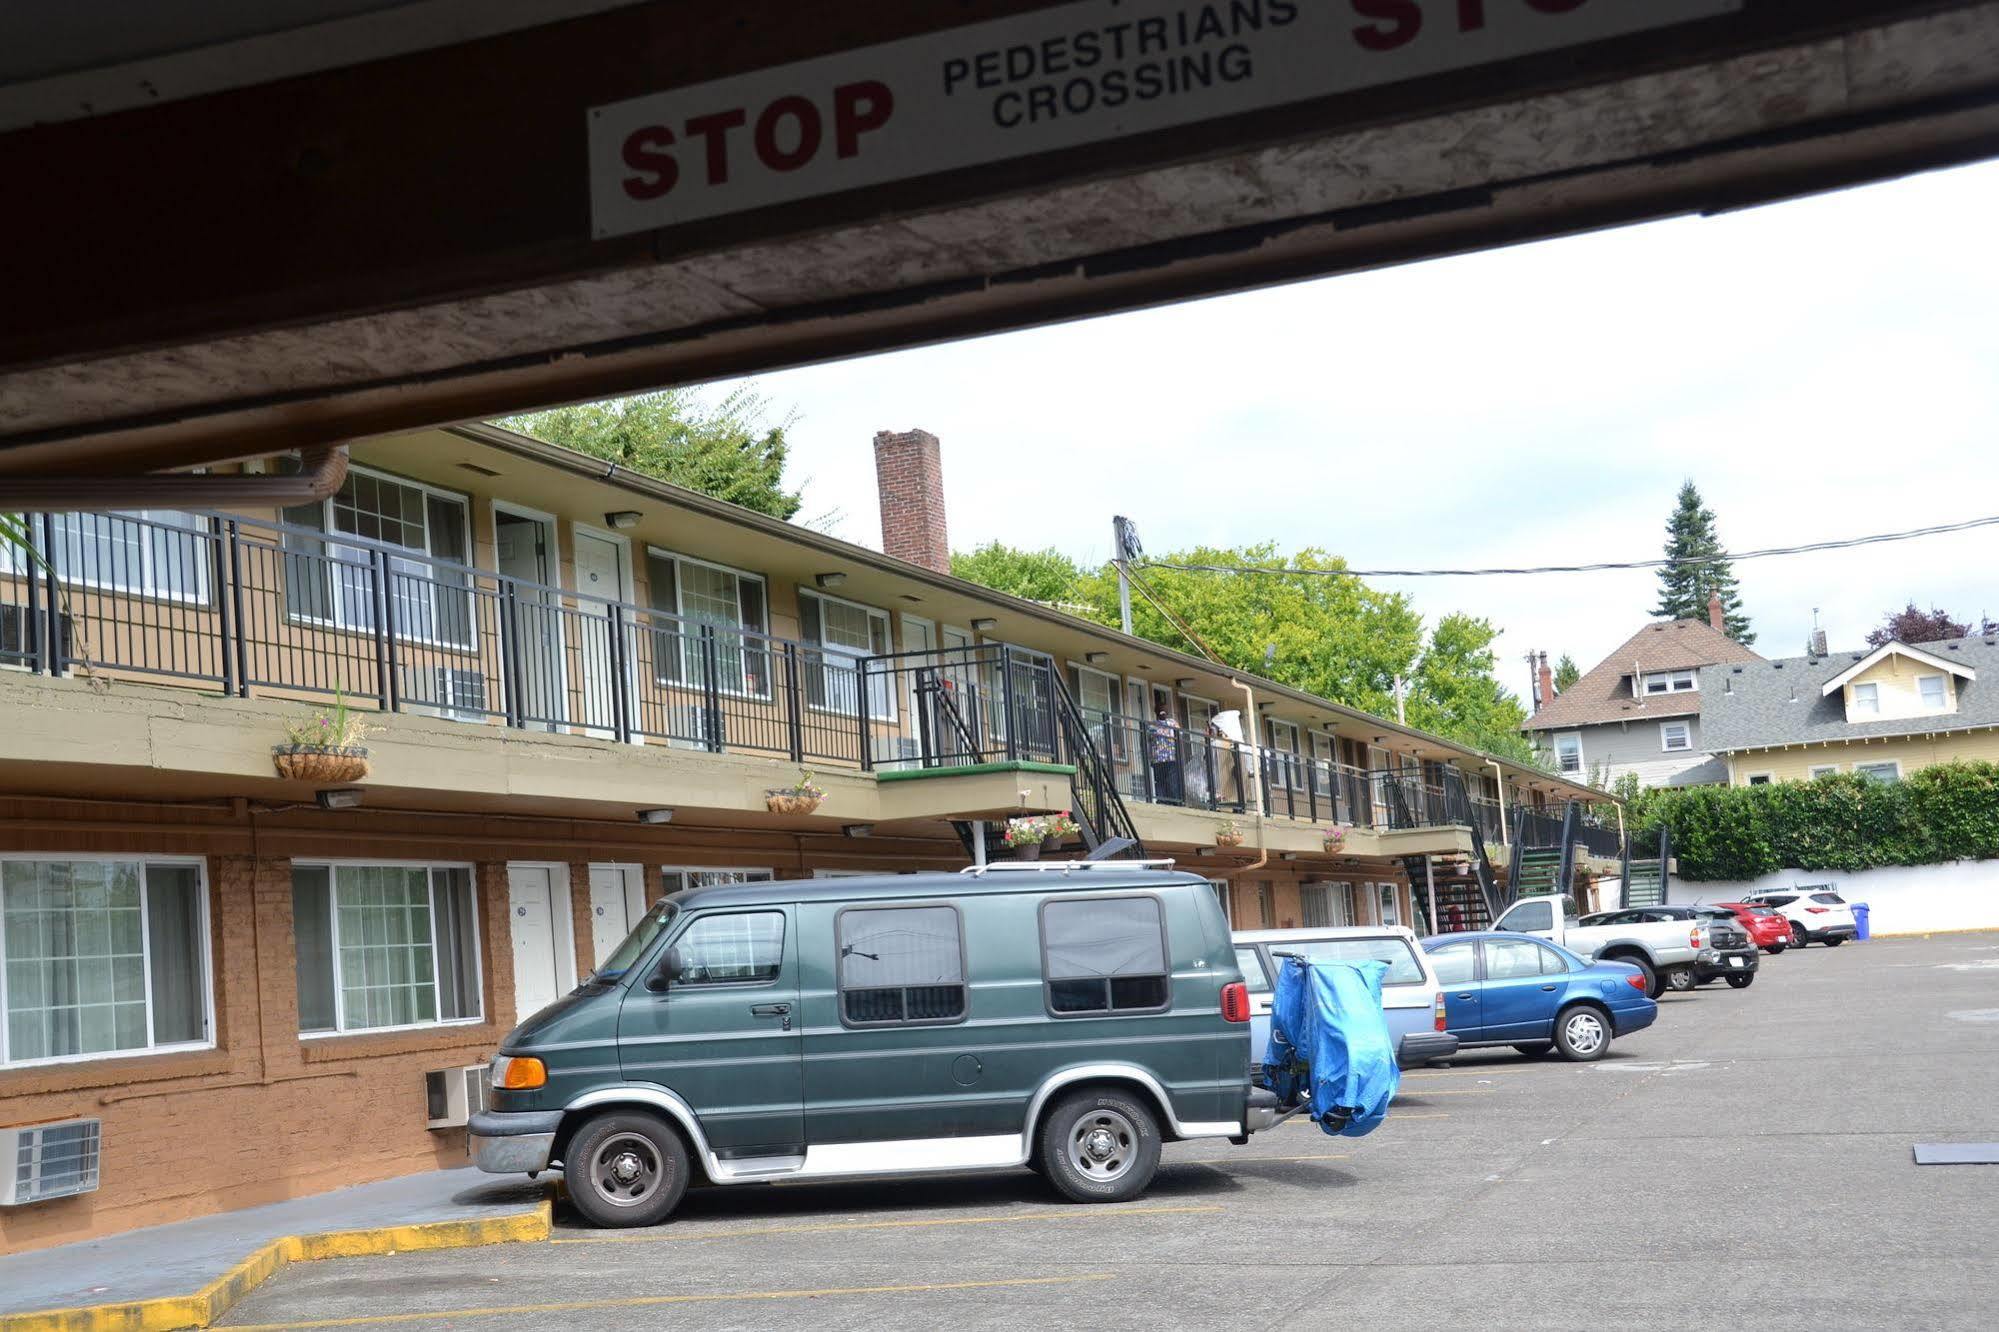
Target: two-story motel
(586,683)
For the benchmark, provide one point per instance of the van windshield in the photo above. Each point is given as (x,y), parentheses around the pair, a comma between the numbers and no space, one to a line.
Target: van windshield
(635,944)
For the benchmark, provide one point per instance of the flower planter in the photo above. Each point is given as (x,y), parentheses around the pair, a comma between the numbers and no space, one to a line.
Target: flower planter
(320,763)
(1051,843)
(1334,845)
(1228,839)
(790,802)
(1027,851)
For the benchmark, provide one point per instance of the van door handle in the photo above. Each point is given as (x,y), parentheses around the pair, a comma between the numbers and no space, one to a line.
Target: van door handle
(770,1010)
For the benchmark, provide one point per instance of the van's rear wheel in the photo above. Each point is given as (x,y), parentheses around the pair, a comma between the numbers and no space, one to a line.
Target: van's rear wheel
(1100,1146)
(625,1169)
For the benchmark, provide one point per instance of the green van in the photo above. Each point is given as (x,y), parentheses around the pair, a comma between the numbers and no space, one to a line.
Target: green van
(1066,1016)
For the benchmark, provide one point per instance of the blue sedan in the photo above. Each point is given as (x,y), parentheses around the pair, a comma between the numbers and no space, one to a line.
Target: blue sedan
(1512,989)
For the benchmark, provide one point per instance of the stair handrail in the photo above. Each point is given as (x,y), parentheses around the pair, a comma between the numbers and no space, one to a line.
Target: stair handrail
(1098,808)
(1571,819)
(1665,860)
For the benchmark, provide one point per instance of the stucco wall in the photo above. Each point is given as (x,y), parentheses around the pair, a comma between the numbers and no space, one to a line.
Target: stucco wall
(1795,765)
(1921,899)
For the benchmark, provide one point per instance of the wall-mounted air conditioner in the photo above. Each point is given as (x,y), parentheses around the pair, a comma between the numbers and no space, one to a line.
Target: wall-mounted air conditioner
(43,1161)
(452,1095)
(445,691)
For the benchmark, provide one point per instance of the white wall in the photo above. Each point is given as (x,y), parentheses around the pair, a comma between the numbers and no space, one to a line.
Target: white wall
(1963,895)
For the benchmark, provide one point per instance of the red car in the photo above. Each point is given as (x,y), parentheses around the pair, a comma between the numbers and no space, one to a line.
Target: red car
(1767,927)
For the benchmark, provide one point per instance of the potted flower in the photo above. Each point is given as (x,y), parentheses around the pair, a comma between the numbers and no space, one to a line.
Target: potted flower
(1056,827)
(1024,837)
(1230,834)
(801,797)
(1335,838)
(325,747)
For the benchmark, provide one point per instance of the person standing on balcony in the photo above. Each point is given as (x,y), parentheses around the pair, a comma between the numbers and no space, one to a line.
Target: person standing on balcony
(1164,752)
(1226,730)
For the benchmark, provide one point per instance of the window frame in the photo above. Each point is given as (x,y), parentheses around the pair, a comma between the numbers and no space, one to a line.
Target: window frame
(149,587)
(1943,693)
(1873,698)
(1685,727)
(717,913)
(327,536)
(863,706)
(964,968)
(1555,744)
(1859,770)
(1759,778)
(770,876)
(1165,957)
(206,933)
(686,622)
(1120,751)
(1291,762)
(1818,770)
(340,1031)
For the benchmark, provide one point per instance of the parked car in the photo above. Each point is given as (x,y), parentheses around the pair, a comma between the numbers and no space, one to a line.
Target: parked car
(1664,951)
(1411,998)
(1509,989)
(1727,952)
(1815,914)
(1767,927)
(1070,1018)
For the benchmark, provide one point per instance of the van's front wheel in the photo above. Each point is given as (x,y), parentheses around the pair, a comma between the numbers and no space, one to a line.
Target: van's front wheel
(1100,1146)
(625,1169)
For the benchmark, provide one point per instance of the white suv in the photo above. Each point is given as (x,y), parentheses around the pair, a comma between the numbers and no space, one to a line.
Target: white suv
(1817,913)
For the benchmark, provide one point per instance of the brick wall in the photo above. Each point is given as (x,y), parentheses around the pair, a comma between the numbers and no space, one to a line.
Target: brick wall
(909,472)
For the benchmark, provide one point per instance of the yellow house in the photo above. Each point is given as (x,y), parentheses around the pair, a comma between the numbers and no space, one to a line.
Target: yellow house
(1883,713)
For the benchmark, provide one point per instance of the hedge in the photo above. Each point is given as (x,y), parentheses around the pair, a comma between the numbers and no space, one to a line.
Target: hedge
(1836,822)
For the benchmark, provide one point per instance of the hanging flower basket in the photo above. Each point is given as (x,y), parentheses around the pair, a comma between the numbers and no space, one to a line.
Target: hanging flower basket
(1335,839)
(800,798)
(320,763)
(1027,851)
(1228,839)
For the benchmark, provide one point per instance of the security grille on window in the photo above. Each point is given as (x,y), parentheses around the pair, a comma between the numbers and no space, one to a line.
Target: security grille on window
(1104,955)
(900,965)
(743,948)
(330,583)
(384,946)
(101,957)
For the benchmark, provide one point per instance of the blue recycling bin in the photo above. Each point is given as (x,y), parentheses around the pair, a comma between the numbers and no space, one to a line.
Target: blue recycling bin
(1860,921)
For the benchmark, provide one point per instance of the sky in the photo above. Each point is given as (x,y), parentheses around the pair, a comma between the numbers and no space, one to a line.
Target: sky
(1821,369)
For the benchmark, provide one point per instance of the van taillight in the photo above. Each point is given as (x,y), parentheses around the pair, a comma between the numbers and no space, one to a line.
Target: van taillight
(1440,1012)
(1235,1002)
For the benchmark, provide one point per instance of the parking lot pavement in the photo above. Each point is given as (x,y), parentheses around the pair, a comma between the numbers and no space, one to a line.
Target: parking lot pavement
(1746,1160)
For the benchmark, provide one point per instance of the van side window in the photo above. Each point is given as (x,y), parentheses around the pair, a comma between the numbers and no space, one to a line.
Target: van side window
(900,965)
(740,949)
(1104,955)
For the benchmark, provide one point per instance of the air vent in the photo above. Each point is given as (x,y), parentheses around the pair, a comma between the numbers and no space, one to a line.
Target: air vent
(43,1161)
(452,1095)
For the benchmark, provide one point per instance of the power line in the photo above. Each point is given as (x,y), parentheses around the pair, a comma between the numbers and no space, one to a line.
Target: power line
(1721,558)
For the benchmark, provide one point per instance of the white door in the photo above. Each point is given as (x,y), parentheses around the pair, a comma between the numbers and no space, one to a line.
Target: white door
(617,900)
(600,573)
(921,684)
(526,551)
(531,900)
(1389,915)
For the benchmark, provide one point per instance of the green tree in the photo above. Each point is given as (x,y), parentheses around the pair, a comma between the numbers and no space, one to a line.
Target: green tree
(726,450)
(1456,693)
(1566,674)
(1697,571)
(1038,575)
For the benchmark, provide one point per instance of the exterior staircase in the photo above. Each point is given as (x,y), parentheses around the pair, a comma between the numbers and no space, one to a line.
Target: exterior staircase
(1544,858)
(1646,880)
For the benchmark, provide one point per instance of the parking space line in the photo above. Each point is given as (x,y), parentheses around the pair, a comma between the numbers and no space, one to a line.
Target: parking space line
(924,1223)
(651,1301)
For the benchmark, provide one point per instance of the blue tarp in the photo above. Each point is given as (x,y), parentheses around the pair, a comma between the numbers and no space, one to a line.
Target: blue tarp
(1329,1041)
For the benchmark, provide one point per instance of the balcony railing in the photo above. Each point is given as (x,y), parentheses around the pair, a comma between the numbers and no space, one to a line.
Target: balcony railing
(247,607)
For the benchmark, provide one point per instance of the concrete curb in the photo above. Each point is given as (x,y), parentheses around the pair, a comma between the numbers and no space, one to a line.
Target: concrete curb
(169,1312)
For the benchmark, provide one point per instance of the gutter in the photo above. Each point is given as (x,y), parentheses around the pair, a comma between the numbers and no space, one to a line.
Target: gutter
(325,467)
(1262,842)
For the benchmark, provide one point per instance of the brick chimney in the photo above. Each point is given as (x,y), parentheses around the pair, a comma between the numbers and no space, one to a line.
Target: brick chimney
(909,472)
(1546,679)
(1714,613)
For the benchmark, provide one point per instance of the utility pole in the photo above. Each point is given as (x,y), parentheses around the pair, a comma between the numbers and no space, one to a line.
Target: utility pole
(1125,548)
(1401,704)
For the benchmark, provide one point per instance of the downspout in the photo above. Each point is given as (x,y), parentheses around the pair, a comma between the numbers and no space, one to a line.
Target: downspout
(1499,783)
(324,468)
(1249,718)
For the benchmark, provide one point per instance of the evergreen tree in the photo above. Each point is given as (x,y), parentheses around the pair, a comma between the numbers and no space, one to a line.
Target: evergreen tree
(1696,572)
(1566,674)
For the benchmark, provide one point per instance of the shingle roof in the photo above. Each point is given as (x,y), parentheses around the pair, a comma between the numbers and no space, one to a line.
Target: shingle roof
(1779,702)
(1667,645)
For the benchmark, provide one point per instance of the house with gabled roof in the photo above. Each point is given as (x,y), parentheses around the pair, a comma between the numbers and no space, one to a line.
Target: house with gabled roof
(1882,713)
(1639,710)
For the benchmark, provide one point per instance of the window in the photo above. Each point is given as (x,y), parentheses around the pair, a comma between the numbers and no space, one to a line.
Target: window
(1866,700)
(708,596)
(1104,955)
(1529,917)
(1824,770)
(1671,682)
(147,553)
(1676,737)
(679,880)
(1569,753)
(1455,965)
(1096,699)
(900,965)
(1935,696)
(384,946)
(1509,959)
(330,583)
(1286,769)
(1828,899)
(843,632)
(101,957)
(740,948)
(1266,904)
(1315,909)
(1250,963)
(1403,969)
(1220,888)
(1760,778)
(1890,771)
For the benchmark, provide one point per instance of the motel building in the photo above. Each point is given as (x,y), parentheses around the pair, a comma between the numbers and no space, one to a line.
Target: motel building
(223,986)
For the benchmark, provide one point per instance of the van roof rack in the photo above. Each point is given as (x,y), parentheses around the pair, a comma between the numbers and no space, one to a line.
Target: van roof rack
(1065,866)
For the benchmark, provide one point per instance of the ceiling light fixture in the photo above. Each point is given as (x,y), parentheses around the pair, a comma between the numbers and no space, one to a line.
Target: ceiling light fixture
(624,519)
(830,580)
(1187,683)
(984,626)
(339,797)
(655,816)
(1096,658)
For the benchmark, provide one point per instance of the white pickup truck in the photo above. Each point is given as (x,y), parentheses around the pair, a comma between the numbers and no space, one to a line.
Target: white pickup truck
(1664,950)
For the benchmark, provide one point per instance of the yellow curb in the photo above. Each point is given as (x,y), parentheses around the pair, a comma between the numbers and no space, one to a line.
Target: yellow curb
(171,1312)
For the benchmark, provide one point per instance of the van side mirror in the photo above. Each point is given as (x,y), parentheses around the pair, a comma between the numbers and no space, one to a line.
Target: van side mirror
(666,973)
